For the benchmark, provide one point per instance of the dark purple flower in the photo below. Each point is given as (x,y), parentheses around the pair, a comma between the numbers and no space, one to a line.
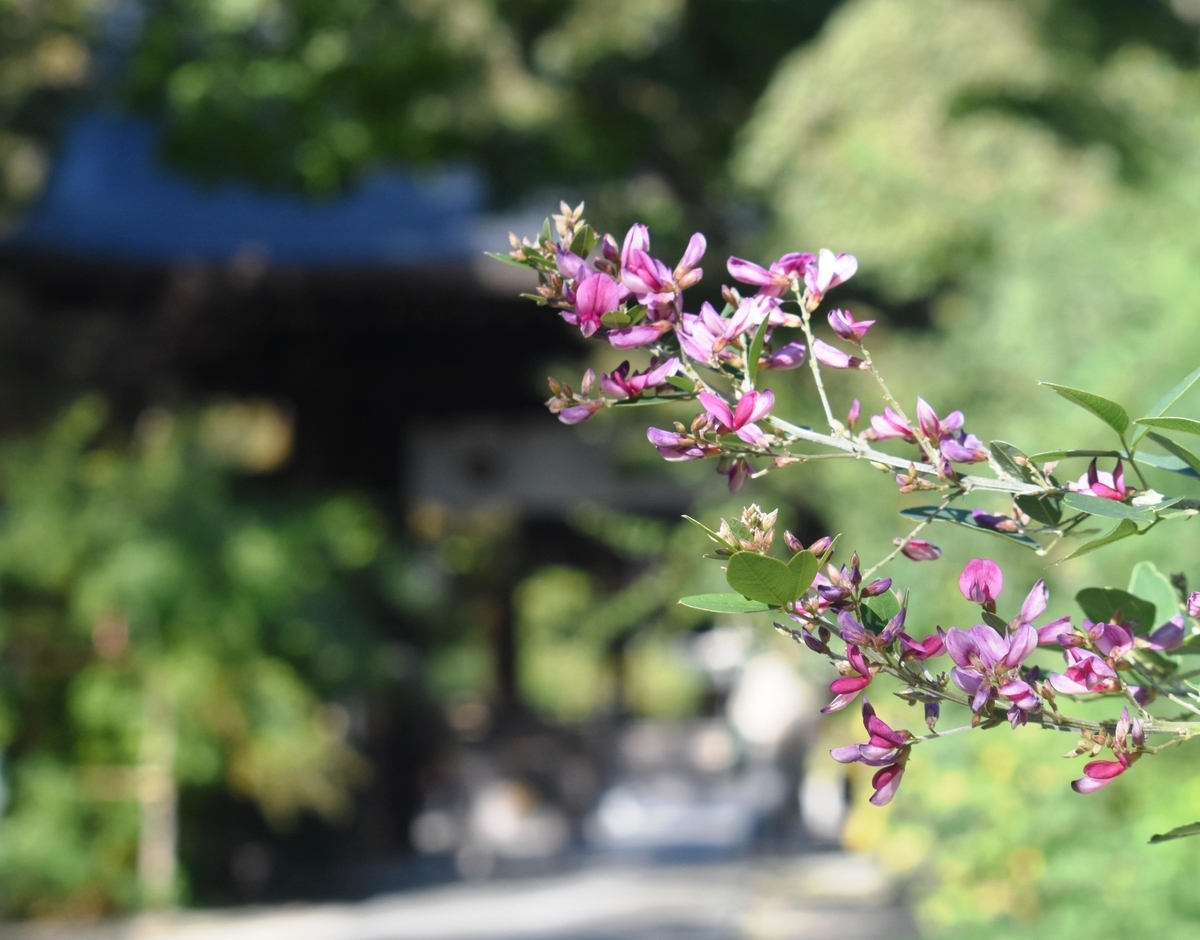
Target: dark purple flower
(1103,484)
(790,356)
(1167,637)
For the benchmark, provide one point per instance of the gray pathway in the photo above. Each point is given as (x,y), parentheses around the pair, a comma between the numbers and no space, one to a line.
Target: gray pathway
(823,897)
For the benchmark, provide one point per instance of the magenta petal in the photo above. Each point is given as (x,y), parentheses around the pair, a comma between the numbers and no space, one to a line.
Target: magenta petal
(960,646)
(1020,645)
(1035,602)
(1053,631)
(747,272)
(849,685)
(886,783)
(981,581)
(1066,685)
(1089,784)
(1104,769)
(639,335)
(717,408)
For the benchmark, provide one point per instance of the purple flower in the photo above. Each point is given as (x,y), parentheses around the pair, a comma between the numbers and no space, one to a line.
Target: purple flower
(955,445)
(738,473)
(829,271)
(751,407)
(884,748)
(679,447)
(1103,484)
(647,277)
(1086,672)
(1100,773)
(596,295)
(847,327)
(889,425)
(920,550)
(856,676)
(921,650)
(620,384)
(702,336)
(686,272)
(853,414)
(1167,637)
(574,414)
(981,581)
(778,279)
(640,335)
(790,356)
(834,358)
(987,666)
(1193,604)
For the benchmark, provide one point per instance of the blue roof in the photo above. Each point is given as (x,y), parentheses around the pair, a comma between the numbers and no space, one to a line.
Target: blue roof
(109,198)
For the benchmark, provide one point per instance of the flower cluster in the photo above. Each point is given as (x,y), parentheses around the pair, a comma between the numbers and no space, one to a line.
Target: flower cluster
(997,671)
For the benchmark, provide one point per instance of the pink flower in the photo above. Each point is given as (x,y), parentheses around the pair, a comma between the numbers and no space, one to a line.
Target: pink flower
(847,327)
(1103,484)
(1128,737)
(921,550)
(829,271)
(679,447)
(981,581)
(856,676)
(574,414)
(778,279)
(889,425)
(596,295)
(751,407)
(1167,637)
(620,384)
(884,748)
(647,277)
(955,445)
(640,335)
(921,650)
(987,666)
(1086,672)
(703,336)
(834,358)
(790,356)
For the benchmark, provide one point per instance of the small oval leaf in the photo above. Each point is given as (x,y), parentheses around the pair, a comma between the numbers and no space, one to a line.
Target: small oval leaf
(723,604)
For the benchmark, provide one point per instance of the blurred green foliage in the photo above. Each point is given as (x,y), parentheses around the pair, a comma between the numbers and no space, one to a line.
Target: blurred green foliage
(142,600)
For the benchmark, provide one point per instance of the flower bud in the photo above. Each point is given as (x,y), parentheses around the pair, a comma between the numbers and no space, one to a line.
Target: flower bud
(933,711)
(919,550)
(589,380)
(821,546)
(1193,604)
(852,417)
(981,581)
(792,542)
(608,248)
(877,587)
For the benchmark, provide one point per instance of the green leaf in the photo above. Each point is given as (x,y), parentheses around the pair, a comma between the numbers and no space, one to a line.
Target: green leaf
(1123,529)
(1006,455)
(761,578)
(1176,450)
(1107,411)
(1184,425)
(1100,604)
(1060,454)
(584,241)
(723,604)
(682,382)
(1179,832)
(994,621)
(705,529)
(1150,584)
(1040,508)
(615,319)
(877,611)
(547,231)
(1166,402)
(1108,508)
(804,567)
(1162,462)
(963,517)
(756,348)
(507,260)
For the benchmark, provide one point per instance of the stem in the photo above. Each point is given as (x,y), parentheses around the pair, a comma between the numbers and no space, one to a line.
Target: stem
(806,323)
(927,447)
(904,541)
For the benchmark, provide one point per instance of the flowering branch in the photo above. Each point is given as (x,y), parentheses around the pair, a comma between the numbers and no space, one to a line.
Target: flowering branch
(635,301)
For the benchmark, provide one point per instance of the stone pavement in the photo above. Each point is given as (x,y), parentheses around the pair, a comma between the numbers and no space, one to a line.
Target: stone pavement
(815,897)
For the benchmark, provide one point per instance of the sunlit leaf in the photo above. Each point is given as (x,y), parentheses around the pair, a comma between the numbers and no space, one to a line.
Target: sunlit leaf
(1107,411)
(1179,832)
(1183,425)
(877,611)
(723,604)
(1150,584)
(756,348)
(761,578)
(804,566)
(1163,462)
(1176,450)
(1122,530)
(1166,402)
(1108,508)
(1010,459)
